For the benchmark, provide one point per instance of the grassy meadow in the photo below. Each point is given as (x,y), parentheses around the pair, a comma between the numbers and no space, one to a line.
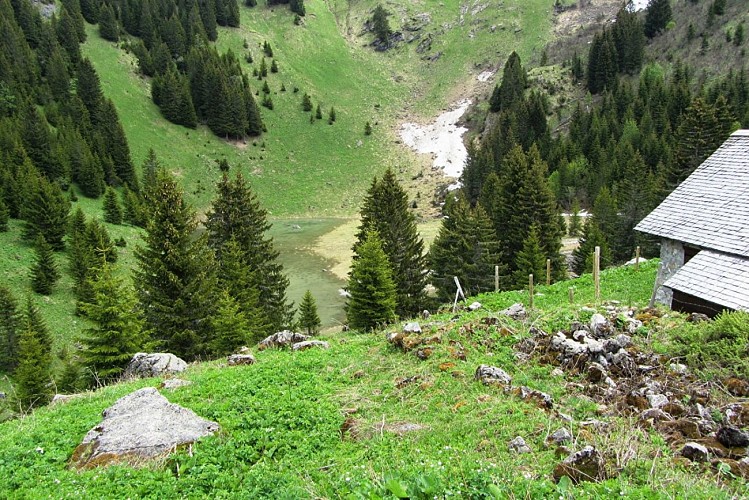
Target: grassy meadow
(364,420)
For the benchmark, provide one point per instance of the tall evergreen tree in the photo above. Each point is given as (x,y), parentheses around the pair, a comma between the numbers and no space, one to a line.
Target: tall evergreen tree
(467,247)
(108,28)
(116,335)
(372,297)
(308,317)
(236,214)
(657,16)
(44,272)
(175,279)
(231,329)
(530,260)
(385,211)
(46,213)
(582,256)
(380,23)
(32,375)
(112,208)
(510,91)
(4,216)
(10,329)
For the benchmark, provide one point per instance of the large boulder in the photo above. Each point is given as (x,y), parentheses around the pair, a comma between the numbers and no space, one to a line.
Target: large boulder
(492,375)
(138,427)
(154,364)
(281,339)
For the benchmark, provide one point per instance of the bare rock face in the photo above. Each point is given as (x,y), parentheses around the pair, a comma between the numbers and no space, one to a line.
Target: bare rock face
(584,465)
(491,375)
(309,344)
(138,427)
(240,359)
(154,364)
(281,339)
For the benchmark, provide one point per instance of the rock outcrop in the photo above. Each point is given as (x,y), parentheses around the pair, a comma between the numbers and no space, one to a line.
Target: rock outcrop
(154,364)
(138,427)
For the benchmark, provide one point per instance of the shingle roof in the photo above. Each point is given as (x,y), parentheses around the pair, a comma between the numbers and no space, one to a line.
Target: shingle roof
(710,209)
(715,277)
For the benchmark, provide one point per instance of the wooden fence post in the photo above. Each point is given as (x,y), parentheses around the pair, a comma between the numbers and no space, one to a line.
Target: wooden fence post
(496,278)
(637,258)
(571,294)
(530,291)
(548,272)
(458,292)
(597,273)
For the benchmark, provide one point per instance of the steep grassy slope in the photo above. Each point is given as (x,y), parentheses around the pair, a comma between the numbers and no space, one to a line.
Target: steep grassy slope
(332,423)
(300,168)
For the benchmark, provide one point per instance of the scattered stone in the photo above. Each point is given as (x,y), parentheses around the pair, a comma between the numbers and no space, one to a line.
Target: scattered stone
(599,325)
(560,436)
(698,318)
(3,395)
(655,414)
(596,373)
(403,382)
(737,387)
(424,353)
(557,372)
(675,409)
(678,368)
(358,374)
(174,383)
(153,365)
(240,359)
(515,311)
(308,344)
(491,375)
(518,445)
(584,465)
(475,306)
(281,339)
(412,327)
(695,452)
(657,400)
(687,428)
(140,426)
(58,399)
(732,437)
(541,398)
(404,428)
(623,341)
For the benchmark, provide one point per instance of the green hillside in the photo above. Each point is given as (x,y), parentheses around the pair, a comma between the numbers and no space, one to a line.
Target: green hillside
(303,169)
(335,423)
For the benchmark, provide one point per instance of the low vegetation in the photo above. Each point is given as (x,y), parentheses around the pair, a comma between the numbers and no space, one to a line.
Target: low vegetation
(364,420)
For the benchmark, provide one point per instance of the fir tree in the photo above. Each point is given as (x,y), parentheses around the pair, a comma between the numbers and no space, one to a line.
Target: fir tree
(514,80)
(236,214)
(657,17)
(112,208)
(10,329)
(32,375)
(367,129)
(530,260)
(331,116)
(582,256)
(44,272)
(46,214)
(267,49)
(4,216)
(116,335)
(273,66)
(108,28)
(297,7)
(318,112)
(372,300)
(386,212)
(467,247)
(175,279)
(230,326)
(380,23)
(306,103)
(308,317)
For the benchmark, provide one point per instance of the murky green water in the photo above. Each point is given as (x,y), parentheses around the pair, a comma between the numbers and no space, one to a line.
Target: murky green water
(306,270)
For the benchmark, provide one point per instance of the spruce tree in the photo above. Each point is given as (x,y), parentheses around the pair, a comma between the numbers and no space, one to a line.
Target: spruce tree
(380,23)
(231,329)
(514,80)
(116,335)
(236,214)
(32,375)
(318,112)
(108,28)
(175,279)
(371,289)
(10,329)
(530,260)
(331,116)
(308,317)
(273,66)
(657,16)
(297,7)
(582,256)
(307,103)
(112,209)
(44,272)
(4,216)
(467,247)
(385,211)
